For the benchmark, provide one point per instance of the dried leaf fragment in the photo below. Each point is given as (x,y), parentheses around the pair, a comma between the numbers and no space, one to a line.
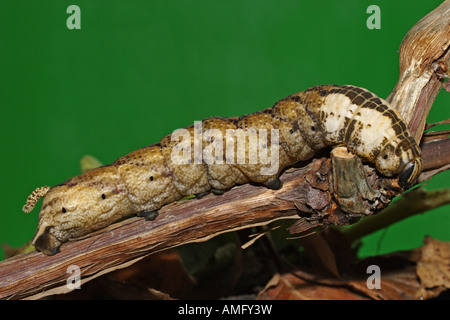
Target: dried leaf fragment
(433,268)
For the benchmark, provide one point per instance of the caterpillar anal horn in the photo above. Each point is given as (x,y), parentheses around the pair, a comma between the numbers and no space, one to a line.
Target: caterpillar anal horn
(34,197)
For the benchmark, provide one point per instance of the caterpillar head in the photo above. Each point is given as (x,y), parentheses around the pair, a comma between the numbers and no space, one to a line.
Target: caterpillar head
(79,206)
(402,157)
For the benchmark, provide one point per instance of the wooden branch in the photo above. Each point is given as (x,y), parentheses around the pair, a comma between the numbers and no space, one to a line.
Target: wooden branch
(307,191)
(414,202)
(424,65)
(435,154)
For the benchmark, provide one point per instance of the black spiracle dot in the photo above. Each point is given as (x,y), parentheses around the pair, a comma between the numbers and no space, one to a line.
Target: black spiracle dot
(151,178)
(385,156)
(63,210)
(291,131)
(313,128)
(103,196)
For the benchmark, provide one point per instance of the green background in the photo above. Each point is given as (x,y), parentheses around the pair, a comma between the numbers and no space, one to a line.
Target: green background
(137,70)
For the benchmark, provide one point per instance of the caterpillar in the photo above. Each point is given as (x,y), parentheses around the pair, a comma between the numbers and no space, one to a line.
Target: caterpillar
(208,157)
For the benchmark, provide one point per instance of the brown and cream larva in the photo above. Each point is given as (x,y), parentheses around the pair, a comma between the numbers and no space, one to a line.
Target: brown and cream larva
(143,181)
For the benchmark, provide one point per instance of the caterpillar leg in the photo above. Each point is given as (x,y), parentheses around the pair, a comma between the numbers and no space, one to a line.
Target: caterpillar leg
(274,184)
(148,215)
(202,194)
(218,192)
